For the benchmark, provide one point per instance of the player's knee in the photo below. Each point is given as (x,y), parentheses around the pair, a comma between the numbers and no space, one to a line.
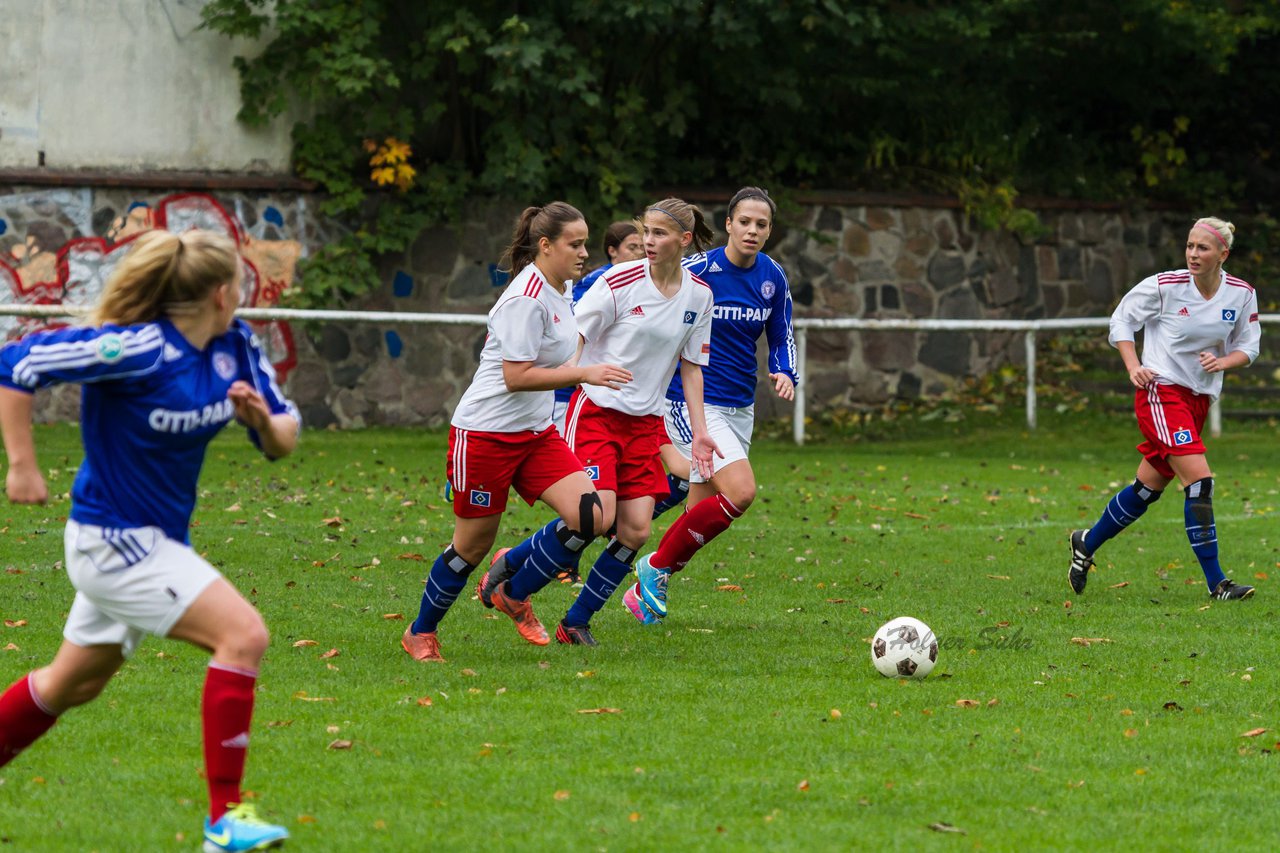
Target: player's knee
(1200,500)
(635,535)
(245,640)
(742,496)
(592,519)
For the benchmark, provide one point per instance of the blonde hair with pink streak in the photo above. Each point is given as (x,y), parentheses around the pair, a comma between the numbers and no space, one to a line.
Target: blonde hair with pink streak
(1220,228)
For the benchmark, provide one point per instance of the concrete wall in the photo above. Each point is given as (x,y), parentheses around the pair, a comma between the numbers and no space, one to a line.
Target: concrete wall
(125,84)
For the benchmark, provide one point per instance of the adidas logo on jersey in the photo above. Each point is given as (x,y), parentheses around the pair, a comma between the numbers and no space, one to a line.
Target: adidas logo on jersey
(637,311)
(240,741)
(171,353)
(715,267)
(555,318)
(1184,312)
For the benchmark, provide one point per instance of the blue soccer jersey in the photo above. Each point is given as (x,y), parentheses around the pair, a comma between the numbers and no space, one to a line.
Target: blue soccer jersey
(150,404)
(748,303)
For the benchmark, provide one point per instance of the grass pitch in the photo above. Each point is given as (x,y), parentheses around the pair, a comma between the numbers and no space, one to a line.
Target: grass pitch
(1137,714)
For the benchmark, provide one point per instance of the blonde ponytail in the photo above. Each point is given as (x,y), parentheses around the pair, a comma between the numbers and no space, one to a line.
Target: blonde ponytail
(166,273)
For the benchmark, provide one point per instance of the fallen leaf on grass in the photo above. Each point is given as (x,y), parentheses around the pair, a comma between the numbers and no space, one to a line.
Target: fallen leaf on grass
(999,577)
(340,744)
(306,818)
(1089,641)
(393,616)
(336,521)
(634,817)
(599,710)
(1130,732)
(302,643)
(470,673)
(729,587)
(279,724)
(12,648)
(417,557)
(332,653)
(15,623)
(837,601)
(425,701)
(946,827)
(1118,585)
(1172,706)
(561,796)
(967,703)
(803,786)
(1260,576)
(302,695)
(1253,733)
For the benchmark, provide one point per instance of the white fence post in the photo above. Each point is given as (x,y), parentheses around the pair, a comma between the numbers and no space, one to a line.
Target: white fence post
(797,414)
(1031,378)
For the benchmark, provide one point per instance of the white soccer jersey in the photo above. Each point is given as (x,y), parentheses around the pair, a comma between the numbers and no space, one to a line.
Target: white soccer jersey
(1178,324)
(625,320)
(532,321)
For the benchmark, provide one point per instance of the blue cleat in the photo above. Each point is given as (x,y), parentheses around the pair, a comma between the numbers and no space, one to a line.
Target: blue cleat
(631,601)
(242,829)
(653,585)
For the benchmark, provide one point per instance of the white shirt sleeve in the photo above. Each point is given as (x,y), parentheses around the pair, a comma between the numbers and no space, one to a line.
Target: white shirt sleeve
(518,324)
(1138,306)
(1246,335)
(698,348)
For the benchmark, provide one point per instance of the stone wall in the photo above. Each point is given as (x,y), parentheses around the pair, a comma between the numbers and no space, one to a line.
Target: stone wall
(847,255)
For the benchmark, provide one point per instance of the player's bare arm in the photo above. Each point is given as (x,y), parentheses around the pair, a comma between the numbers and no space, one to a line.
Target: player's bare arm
(24,484)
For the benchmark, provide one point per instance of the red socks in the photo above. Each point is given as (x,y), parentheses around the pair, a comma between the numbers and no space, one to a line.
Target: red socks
(22,718)
(701,523)
(226,709)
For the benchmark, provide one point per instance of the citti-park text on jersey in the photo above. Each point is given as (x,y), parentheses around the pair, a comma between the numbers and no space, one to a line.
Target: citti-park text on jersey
(737,312)
(164,420)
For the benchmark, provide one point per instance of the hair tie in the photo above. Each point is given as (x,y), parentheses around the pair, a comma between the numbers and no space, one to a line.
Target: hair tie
(1214,231)
(672,215)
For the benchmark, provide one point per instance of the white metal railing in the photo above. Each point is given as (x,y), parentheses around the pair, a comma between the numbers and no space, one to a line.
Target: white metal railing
(1029,328)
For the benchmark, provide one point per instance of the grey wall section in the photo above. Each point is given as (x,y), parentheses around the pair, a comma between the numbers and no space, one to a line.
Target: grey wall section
(844,257)
(125,84)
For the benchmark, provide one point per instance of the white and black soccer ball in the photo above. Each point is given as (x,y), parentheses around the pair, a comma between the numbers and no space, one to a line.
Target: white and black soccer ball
(904,648)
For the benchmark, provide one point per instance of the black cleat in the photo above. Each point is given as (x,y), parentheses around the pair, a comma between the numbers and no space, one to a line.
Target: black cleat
(1081,562)
(499,571)
(575,635)
(1229,589)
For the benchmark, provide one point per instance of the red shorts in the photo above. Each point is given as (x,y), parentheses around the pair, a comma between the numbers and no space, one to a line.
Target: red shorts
(1171,418)
(482,466)
(619,451)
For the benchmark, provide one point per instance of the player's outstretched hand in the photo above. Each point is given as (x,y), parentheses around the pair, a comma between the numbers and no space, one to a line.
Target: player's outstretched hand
(782,384)
(251,408)
(702,450)
(608,375)
(26,486)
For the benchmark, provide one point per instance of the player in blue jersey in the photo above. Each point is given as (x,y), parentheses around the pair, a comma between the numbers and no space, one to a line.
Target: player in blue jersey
(164,368)
(751,299)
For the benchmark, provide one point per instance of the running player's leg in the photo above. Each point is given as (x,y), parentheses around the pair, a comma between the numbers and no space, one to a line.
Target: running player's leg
(634,521)
(33,703)
(581,516)
(1202,532)
(677,465)
(472,539)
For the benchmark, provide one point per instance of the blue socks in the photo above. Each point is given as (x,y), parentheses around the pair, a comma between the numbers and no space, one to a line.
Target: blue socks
(1202,532)
(447,579)
(679,491)
(546,553)
(1126,507)
(611,568)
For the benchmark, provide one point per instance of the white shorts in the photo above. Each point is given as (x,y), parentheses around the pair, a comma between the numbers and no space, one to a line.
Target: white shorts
(129,583)
(728,427)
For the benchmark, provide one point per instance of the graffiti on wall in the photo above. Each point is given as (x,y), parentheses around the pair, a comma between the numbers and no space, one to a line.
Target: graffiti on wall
(45,267)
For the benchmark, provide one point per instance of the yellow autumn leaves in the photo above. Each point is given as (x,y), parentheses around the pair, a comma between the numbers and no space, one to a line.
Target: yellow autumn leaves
(389,163)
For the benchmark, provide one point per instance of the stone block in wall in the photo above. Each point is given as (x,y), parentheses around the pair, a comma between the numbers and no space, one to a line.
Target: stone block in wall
(856,241)
(958,304)
(472,284)
(1069,265)
(308,384)
(1028,277)
(435,252)
(947,352)
(1097,283)
(829,220)
(888,350)
(1047,263)
(874,271)
(1054,299)
(840,300)
(944,231)
(946,270)
(917,298)
(829,345)
(908,270)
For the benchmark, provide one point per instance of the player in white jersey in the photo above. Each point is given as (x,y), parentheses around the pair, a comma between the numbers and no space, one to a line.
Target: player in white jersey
(751,300)
(163,369)
(1195,323)
(648,316)
(501,435)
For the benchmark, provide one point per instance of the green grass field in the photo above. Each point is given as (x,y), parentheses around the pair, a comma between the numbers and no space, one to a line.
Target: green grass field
(752,719)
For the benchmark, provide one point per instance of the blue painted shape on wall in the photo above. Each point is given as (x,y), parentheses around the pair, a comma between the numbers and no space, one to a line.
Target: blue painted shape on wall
(402,285)
(4,226)
(500,278)
(274,216)
(394,344)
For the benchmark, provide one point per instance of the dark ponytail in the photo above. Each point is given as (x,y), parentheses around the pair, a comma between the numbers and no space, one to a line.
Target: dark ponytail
(689,218)
(533,224)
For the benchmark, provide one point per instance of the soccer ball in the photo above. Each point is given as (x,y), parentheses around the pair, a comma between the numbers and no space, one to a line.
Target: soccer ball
(904,648)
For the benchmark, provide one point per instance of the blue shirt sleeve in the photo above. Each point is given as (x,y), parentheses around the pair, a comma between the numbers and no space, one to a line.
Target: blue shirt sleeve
(256,369)
(82,355)
(780,333)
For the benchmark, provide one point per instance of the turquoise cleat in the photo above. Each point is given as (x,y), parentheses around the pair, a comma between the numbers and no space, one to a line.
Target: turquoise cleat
(653,586)
(242,829)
